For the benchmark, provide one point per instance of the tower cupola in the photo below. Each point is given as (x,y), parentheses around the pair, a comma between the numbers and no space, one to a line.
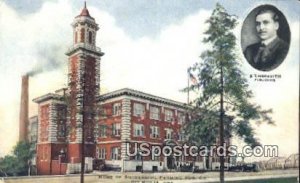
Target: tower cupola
(84,32)
(85,12)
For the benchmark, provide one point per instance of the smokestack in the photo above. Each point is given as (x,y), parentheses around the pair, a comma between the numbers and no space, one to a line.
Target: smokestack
(23,123)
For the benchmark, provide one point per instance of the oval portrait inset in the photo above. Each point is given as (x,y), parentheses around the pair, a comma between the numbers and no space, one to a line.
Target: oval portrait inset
(265,38)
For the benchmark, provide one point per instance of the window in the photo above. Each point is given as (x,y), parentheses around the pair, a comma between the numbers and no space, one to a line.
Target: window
(82,35)
(155,158)
(181,158)
(115,153)
(154,113)
(102,113)
(102,131)
(97,153)
(137,156)
(116,129)
(181,136)
(138,109)
(117,109)
(168,133)
(169,115)
(154,132)
(181,118)
(139,130)
(61,130)
(90,37)
(156,154)
(76,37)
(215,159)
(61,113)
(200,159)
(101,153)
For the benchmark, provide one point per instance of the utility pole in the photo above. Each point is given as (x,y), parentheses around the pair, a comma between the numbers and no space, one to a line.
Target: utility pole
(83,128)
(221,124)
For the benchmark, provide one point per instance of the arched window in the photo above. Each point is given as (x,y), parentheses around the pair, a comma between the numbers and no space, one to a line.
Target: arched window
(76,37)
(82,35)
(90,37)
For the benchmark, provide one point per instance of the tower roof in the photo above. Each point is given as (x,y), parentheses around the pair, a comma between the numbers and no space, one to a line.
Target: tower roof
(85,11)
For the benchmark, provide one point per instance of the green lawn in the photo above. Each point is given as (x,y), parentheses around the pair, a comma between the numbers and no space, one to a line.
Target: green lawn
(275,180)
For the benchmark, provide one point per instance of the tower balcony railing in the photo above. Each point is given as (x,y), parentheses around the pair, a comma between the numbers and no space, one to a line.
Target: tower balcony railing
(85,46)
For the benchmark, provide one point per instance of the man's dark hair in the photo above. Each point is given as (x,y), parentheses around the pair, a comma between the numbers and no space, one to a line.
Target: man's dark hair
(269,9)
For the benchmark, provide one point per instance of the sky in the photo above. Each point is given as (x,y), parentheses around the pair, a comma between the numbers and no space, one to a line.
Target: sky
(147,46)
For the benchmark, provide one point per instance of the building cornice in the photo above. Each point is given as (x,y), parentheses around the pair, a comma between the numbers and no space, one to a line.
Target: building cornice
(47,97)
(139,94)
(84,47)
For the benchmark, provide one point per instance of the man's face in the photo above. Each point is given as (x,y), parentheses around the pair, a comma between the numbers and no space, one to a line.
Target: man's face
(265,25)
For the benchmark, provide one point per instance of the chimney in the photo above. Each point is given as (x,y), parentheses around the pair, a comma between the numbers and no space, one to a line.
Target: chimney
(23,123)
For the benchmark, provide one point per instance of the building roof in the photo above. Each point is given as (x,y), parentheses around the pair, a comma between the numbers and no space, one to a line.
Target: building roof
(85,12)
(117,93)
(139,94)
(33,117)
(46,97)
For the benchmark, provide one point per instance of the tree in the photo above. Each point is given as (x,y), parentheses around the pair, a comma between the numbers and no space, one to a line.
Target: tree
(17,164)
(224,98)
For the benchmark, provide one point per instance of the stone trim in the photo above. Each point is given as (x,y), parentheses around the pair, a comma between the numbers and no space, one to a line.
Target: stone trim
(79,97)
(39,124)
(47,97)
(52,123)
(125,126)
(141,95)
(148,102)
(109,142)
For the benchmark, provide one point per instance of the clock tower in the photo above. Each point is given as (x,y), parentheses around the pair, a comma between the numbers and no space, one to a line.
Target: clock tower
(84,84)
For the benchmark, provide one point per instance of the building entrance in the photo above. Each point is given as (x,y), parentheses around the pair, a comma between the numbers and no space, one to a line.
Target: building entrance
(170,162)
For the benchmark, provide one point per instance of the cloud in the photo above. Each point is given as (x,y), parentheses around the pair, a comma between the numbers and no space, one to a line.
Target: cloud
(154,65)
(31,43)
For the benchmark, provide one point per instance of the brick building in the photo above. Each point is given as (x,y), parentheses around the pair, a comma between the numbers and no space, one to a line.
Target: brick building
(112,122)
(62,115)
(127,117)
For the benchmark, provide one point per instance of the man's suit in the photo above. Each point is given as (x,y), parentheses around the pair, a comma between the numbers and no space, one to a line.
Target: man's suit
(267,57)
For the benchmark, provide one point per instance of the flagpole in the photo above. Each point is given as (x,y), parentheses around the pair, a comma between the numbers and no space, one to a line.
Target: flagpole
(188,93)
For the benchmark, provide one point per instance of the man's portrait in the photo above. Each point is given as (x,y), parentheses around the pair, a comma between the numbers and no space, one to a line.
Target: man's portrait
(268,45)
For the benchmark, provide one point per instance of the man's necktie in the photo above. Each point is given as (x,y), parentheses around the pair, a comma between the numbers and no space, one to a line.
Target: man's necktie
(259,56)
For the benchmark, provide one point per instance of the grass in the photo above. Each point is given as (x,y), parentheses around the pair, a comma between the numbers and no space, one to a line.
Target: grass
(272,180)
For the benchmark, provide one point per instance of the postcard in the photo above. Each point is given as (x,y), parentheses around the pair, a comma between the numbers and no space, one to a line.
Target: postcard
(149,91)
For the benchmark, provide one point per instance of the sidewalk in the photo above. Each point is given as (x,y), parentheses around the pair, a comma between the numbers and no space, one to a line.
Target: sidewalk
(162,177)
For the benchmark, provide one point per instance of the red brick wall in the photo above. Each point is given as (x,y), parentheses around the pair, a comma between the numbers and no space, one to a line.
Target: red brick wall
(73,92)
(74,151)
(43,159)
(56,150)
(58,168)
(147,122)
(44,123)
(46,155)
(90,98)
(107,120)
